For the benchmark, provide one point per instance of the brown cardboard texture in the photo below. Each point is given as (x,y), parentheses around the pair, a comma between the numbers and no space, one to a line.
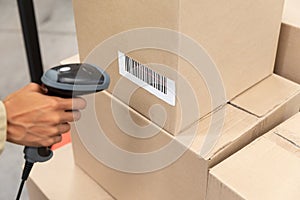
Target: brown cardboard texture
(274,97)
(265,169)
(228,45)
(121,174)
(61,179)
(288,54)
(72,59)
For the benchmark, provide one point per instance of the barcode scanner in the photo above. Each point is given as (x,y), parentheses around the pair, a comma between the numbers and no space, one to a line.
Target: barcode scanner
(75,80)
(65,81)
(68,81)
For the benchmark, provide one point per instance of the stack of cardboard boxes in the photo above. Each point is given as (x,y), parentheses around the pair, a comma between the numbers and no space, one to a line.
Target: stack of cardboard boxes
(223,47)
(268,168)
(187,176)
(158,139)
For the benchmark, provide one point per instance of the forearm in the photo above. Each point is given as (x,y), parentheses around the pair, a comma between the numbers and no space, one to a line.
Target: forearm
(3,124)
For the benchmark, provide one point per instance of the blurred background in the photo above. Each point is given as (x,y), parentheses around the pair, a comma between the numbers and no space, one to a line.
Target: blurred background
(57,40)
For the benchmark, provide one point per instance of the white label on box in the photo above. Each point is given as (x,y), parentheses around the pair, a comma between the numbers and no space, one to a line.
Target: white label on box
(158,85)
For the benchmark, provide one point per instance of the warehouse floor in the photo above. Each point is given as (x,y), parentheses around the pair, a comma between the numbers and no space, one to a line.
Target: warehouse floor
(58,41)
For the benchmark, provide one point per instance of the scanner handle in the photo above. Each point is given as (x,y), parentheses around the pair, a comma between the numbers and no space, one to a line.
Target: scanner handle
(37,154)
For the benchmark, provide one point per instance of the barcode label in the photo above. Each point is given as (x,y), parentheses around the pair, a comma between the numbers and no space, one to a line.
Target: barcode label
(155,83)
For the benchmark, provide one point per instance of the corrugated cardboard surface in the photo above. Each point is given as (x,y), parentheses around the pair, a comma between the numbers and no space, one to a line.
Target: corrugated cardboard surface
(61,179)
(187,176)
(72,59)
(262,98)
(288,55)
(240,37)
(266,169)
(136,186)
(273,100)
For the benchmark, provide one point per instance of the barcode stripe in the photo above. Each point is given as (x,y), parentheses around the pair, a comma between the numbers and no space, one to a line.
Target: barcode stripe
(146,74)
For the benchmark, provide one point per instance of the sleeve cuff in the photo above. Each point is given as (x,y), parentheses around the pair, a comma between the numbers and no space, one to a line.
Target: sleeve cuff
(3,126)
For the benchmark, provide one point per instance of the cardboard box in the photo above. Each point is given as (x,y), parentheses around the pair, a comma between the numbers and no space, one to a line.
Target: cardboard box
(265,99)
(268,168)
(288,56)
(223,45)
(118,151)
(72,59)
(61,179)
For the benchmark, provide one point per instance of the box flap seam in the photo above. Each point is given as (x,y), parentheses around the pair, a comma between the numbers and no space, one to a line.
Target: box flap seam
(243,109)
(286,139)
(269,110)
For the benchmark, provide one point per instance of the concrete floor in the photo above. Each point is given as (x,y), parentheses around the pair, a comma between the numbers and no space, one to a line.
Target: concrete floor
(58,41)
